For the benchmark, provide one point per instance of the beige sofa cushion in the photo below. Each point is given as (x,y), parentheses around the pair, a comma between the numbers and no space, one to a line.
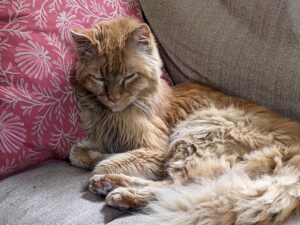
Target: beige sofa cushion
(246,48)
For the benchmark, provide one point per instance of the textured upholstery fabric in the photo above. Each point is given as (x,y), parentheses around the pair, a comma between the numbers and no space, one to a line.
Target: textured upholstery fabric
(246,48)
(52,195)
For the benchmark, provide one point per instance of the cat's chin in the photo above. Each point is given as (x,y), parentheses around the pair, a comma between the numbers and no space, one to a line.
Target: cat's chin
(117,108)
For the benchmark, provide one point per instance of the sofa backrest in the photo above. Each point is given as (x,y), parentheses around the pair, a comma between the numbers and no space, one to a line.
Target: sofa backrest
(249,49)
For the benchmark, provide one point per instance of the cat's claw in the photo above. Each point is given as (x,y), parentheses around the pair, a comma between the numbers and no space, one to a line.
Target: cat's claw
(100,185)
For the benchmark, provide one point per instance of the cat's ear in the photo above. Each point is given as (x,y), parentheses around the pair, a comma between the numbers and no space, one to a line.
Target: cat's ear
(142,35)
(83,41)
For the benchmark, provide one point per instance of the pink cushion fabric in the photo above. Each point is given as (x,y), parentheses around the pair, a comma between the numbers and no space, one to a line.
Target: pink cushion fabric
(39,119)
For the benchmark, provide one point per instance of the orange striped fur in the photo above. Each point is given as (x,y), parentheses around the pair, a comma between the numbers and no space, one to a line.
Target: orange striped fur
(225,160)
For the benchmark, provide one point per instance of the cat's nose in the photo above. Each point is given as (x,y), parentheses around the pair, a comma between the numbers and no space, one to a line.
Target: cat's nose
(114,98)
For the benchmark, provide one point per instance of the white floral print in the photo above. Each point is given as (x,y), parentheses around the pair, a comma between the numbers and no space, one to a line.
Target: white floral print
(12,133)
(65,22)
(33,59)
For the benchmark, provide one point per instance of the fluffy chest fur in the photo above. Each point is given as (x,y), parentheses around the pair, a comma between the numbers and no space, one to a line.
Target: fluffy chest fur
(121,132)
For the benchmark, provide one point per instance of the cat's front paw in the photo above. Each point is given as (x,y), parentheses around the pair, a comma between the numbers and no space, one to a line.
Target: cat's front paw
(117,200)
(128,198)
(105,183)
(84,155)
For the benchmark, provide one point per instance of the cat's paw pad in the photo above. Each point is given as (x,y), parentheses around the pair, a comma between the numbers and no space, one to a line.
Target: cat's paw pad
(105,183)
(119,198)
(99,185)
(128,198)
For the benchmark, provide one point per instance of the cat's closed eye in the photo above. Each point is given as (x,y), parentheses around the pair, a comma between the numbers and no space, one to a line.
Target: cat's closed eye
(98,79)
(130,76)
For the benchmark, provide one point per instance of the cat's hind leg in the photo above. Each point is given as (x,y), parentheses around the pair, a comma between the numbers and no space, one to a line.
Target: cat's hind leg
(85,155)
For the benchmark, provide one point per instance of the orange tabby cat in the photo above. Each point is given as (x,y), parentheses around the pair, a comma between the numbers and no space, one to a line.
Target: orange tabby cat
(192,154)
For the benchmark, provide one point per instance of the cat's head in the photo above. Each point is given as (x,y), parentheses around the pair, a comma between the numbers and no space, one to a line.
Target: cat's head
(118,62)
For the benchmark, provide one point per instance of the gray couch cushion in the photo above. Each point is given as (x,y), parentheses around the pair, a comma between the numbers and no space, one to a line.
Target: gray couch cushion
(249,49)
(52,195)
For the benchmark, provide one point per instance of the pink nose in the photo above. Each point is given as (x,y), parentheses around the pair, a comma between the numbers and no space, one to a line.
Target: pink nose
(114,99)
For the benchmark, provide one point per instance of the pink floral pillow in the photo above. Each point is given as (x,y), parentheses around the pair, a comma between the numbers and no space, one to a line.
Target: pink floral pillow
(39,120)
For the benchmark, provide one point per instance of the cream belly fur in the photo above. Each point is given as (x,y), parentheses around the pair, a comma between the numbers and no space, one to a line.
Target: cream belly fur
(231,173)
(222,169)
